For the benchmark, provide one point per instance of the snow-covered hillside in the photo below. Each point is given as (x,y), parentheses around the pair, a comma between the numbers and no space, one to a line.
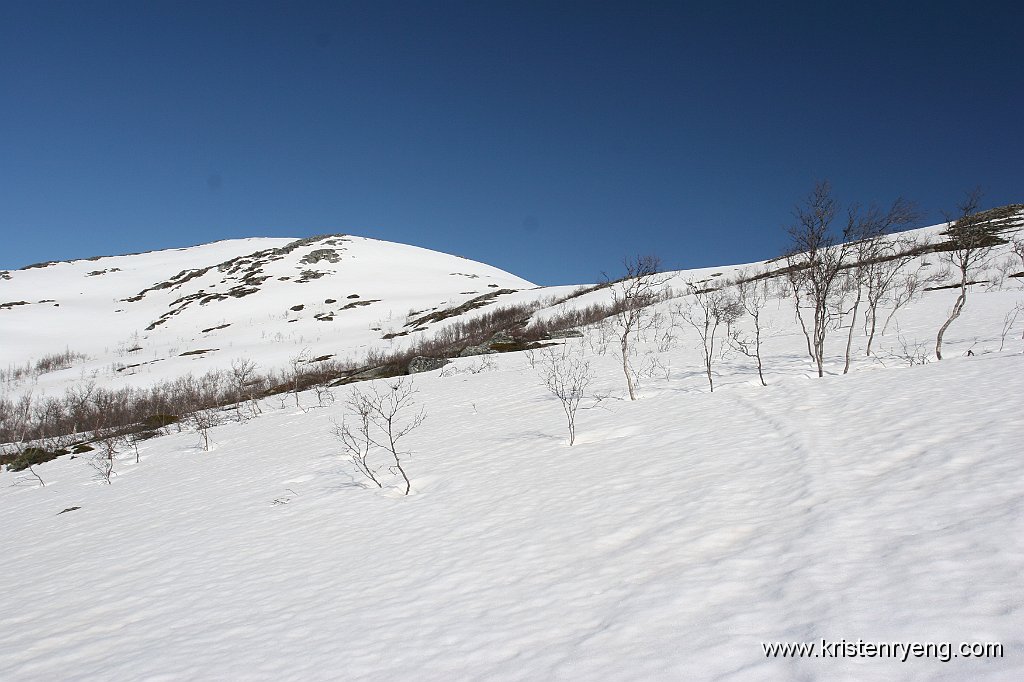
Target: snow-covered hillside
(677,536)
(134,317)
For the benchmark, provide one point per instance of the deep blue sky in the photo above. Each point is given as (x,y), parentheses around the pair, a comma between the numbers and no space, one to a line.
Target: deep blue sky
(549,139)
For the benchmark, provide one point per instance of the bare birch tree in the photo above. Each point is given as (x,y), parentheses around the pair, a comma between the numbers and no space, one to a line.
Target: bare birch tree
(244,380)
(815,260)
(868,253)
(752,293)
(380,417)
(972,237)
(296,371)
(795,280)
(632,298)
(883,280)
(16,425)
(819,257)
(566,376)
(709,310)
(906,288)
(110,441)
(202,419)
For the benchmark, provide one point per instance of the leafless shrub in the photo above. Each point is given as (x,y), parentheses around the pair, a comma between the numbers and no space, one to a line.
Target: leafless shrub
(47,363)
(246,386)
(873,263)
(570,318)
(884,278)
(752,295)
(202,420)
(133,439)
(320,375)
(110,441)
(709,310)
(1001,272)
(15,427)
(85,408)
(377,419)
(482,363)
(566,376)
(324,395)
(1009,320)
(600,336)
(665,334)
(632,298)
(912,352)
(907,287)
(1018,248)
(297,366)
(55,361)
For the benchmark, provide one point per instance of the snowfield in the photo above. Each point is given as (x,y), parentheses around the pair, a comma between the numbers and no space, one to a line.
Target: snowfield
(676,536)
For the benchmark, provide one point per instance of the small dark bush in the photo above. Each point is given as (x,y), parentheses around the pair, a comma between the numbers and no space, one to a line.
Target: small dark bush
(32,456)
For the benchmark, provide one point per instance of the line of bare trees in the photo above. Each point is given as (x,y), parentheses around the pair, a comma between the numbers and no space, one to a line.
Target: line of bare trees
(832,271)
(104,421)
(839,272)
(34,429)
(47,363)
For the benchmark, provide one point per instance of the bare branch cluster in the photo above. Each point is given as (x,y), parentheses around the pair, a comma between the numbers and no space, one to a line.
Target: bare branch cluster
(828,271)
(567,376)
(632,298)
(752,294)
(378,418)
(710,309)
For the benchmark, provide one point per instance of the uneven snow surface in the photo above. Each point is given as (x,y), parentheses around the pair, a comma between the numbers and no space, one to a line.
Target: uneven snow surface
(677,535)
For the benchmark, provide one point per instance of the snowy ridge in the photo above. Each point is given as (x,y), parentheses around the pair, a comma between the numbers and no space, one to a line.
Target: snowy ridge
(679,533)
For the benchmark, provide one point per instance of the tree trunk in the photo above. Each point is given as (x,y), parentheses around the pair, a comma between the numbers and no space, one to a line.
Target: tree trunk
(807,337)
(625,369)
(871,334)
(820,322)
(757,347)
(849,338)
(888,319)
(957,309)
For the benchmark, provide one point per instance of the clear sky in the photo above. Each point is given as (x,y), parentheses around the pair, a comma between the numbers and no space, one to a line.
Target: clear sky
(547,138)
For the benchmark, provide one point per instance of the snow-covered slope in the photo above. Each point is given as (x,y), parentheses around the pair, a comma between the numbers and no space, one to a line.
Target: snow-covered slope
(265,299)
(678,535)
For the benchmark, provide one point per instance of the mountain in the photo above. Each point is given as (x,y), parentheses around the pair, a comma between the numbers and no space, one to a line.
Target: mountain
(681,536)
(141,318)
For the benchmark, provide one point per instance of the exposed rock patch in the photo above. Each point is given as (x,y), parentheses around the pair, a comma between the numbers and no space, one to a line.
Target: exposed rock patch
(424,364)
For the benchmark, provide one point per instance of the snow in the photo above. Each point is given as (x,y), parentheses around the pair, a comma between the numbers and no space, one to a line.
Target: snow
(92,315)
(680,532)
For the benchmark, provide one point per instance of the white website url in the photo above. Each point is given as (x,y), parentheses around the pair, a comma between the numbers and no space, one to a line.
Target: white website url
(943,651)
